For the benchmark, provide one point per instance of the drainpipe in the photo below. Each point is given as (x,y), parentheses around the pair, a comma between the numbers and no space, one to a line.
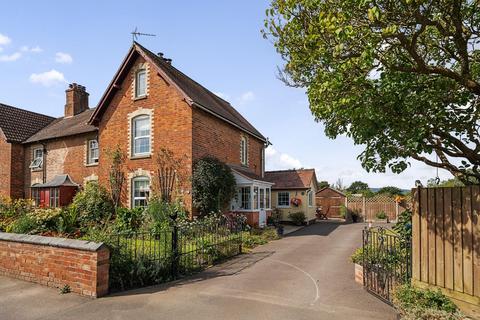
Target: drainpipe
(44,164)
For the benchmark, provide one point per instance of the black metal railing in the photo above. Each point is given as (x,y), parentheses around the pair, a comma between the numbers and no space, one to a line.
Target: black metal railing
(386,261)
(146,258)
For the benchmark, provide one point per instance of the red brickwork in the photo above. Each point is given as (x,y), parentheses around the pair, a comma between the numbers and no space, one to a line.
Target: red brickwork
(64,156)
(11,169)
(84,271)
(214,137)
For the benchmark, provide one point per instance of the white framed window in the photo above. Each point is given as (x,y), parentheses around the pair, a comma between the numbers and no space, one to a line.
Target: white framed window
(283,199)
(262,198)
(141,135)
(140,191)
(255,198)
(54,197)
(245,198)
(243,150)
(37,161)
(92,151)
(267,198)
(140,83)
(310,198)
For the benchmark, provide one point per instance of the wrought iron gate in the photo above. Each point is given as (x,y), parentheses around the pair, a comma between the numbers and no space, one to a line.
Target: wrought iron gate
(386,261)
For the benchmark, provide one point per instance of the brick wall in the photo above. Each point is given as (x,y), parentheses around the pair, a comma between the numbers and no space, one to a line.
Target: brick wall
(64,156)
(11,169)
(214,137)
(171,129)
(56,262)
(5,168)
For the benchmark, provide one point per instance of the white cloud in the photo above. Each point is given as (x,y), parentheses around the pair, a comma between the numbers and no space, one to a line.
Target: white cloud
(278,161)
(62,57)
(48,78)
(10,57)
(4,40)
(247,96)
(35,49)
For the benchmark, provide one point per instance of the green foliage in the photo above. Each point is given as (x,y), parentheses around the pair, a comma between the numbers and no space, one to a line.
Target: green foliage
(358,187)
(129,220)
(322,184)
(258,237)
(381,215)
(25,224)
(10,208)
(390,191)
(160,213)
(213,185)
(67,222)
(357,256)
(343,211)
(416,303)
(401,78)
(94,205)
(65,289)
(298,218)
(403,227)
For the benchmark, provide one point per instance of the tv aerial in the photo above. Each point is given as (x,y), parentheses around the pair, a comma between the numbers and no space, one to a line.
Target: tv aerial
(135,34)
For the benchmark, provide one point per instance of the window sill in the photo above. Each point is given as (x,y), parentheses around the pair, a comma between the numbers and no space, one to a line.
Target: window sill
(140,98)
(140,156)
(36,170)
(95,164)
(283,207)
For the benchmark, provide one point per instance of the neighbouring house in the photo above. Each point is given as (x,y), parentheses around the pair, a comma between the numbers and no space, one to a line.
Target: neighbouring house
(330,200)
(148,106)
(16,126)
(293,191)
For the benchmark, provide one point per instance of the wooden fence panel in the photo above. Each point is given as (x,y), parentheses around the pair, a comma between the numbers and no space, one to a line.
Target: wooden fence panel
(370,207)
(446,242)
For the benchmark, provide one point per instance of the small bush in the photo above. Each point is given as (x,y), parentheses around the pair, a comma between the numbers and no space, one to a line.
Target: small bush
(159,214)
(67,221)
(25,224)
(93,204)
(381,215)
(416,303)
(357,256)
(129,220)
(213,185)
(298,218)
(258,237)
(343,211)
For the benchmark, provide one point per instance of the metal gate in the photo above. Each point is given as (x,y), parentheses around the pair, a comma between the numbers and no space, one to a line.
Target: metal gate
(386,261)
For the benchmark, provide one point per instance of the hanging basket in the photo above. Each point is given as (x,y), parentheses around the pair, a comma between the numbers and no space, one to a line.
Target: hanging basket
(296,202)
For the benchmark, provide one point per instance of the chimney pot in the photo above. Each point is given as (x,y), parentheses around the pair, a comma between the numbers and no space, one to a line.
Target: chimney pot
(160,54)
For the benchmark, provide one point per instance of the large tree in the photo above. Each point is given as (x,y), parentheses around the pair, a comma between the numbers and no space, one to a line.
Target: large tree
(358,187)
(401,77)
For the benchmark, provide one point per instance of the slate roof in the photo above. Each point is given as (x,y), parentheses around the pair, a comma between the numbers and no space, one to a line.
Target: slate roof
(199,95)
(62,180)
(64,127)
(291,179)
(18,124)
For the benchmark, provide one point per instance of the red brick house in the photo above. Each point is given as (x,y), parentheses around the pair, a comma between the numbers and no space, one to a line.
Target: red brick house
(149,105)
(16,125)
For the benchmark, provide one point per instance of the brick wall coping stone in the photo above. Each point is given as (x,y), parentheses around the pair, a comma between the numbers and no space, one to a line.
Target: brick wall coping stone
(52,241)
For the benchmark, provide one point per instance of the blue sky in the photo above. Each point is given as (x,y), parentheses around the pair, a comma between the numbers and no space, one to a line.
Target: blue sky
(46,45)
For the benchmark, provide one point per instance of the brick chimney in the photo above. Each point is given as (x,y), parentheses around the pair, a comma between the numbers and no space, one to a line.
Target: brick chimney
(77,100)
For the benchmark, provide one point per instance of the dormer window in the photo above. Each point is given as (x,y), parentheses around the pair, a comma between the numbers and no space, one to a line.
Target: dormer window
(140,83)
(37,161)
(243,151)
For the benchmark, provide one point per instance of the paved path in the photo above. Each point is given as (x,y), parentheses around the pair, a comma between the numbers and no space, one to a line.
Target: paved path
(306,275)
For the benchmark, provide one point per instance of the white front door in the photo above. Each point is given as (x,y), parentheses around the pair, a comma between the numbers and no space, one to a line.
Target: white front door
(262,218)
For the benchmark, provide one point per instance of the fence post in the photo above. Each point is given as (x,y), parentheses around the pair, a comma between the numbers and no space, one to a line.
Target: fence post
(396,211)
(364,207)
(175,254)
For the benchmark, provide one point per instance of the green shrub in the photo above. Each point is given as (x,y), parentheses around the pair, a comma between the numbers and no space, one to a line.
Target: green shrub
(297,218)
(11,208)
(93,204)
(381,215)
(422,303)
(46,218)
(129,220)
(159,214)
(25,224)
(343,211)
(357,256)
(213,185)
(67,221)
(403,227)
(258,237)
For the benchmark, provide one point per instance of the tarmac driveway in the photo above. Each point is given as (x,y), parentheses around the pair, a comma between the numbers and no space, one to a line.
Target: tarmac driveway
(306,275)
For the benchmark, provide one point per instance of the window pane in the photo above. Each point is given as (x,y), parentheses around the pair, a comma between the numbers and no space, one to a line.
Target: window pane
(246,199)
(262,198)
(142,127)
(267,198)
(142,145)
(141,188)
(141,83)
(255,197)
(283,199)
